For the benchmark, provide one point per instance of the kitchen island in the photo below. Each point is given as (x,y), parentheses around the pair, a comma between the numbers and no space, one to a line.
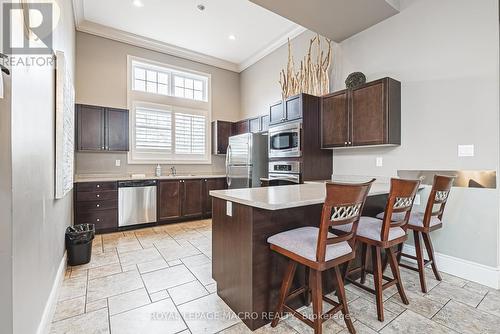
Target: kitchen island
(247,272)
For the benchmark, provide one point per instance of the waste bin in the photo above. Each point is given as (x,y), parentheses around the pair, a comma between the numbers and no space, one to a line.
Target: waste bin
(79,243)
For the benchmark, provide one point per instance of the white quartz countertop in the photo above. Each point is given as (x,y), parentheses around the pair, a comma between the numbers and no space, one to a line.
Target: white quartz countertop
(284,197)
(111,178)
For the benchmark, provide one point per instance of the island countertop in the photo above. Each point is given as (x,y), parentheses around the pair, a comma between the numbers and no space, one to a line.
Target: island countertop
(284,197)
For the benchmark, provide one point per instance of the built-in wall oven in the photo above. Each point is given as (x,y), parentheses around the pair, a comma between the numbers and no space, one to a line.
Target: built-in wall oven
(285,140)
(286,172)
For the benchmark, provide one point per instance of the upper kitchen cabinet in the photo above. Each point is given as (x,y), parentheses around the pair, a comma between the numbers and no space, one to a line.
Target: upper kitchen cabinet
(364,116)
(254,125)
(241,127)
(101,128)
(221,131)
(290,109)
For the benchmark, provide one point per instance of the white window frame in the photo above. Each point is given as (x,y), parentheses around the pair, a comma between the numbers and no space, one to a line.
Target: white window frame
(170,103)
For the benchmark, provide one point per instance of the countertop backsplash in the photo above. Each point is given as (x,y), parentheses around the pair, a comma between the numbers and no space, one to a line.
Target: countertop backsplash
(105,163)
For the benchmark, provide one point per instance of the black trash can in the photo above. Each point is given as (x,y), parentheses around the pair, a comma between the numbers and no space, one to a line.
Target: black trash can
(79,243)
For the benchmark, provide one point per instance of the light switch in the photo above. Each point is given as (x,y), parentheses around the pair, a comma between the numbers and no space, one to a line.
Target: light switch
(379,162)
(229,208)
(118,163)
(465,150)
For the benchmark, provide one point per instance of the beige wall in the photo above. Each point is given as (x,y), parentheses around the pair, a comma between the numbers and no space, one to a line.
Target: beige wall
(38,220)
(445,53)
(101,79)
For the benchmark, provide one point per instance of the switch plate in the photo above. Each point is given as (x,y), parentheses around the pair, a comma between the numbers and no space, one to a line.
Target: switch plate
(118,163)
(465,150)
(379,162)
(229,208)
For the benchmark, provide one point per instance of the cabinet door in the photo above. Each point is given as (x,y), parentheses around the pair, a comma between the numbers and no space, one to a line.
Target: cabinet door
(369,115)
(293,108)
(241,127)
(192,204)
(255,125)
(276,113)
(264,127)
(116,129)
(211,184)
(334,120)
(221,131)
(90,128)
(170,195)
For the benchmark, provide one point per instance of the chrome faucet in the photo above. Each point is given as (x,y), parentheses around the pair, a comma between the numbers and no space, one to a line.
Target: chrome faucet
(173,171)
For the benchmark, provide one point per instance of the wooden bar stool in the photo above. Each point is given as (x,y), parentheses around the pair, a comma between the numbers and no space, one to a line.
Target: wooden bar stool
(319,250)
(424,223)
(384,234)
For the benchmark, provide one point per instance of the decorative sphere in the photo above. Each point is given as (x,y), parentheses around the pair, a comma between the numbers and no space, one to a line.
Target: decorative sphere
(354,80)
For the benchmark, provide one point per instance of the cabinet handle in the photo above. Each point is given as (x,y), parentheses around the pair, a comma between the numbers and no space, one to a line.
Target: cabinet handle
(98,220)
(98,205)
(345,143)
(98,186)
(102,147)
(98,195)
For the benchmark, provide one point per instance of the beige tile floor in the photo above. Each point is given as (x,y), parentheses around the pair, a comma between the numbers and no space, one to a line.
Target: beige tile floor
(159,280)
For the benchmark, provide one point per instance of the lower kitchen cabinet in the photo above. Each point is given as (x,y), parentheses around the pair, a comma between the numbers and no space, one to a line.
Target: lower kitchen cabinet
(97,203)
(192,204)
(211,184)
(170,194)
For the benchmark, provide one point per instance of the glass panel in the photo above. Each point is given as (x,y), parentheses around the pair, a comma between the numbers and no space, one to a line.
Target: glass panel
(151,76)
(179,92)
(139,73)
(198,95)
(188,93)
(198,85)
(140,85)
(163,78)
(162,89)
(188,83)
(179,82)
(151,87)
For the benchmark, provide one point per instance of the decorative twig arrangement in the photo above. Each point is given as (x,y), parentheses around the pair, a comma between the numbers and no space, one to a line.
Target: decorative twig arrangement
(312,77)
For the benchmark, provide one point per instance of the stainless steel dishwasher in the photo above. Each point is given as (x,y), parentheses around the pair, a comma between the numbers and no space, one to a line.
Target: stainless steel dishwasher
(136,202)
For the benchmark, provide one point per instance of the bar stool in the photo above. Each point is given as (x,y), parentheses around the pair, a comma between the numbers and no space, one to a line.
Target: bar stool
(319,250)
(383,234)
(424,223)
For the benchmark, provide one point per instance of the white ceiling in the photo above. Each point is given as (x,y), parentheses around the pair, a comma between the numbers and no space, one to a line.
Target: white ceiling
(178,27)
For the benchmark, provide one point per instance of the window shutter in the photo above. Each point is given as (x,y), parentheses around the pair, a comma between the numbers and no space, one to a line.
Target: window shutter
(190,134)
(153,129)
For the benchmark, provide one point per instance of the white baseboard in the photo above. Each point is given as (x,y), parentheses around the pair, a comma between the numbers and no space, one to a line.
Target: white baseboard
(50,306)
(472,271)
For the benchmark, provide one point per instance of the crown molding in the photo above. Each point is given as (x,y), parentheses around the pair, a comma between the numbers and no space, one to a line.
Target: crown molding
(282,40)
(155,45)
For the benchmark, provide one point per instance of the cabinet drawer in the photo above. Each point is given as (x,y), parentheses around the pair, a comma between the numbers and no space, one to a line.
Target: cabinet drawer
(96,186)
(103,219)
(96,196)
(87,206)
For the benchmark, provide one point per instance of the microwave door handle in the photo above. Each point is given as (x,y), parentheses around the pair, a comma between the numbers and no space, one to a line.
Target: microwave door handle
(228,162)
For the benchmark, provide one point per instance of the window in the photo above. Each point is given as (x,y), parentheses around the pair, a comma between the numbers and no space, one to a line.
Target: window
(170,113)
(168,81)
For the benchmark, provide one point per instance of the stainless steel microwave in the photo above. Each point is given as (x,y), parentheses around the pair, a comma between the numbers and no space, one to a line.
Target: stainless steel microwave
(285,140)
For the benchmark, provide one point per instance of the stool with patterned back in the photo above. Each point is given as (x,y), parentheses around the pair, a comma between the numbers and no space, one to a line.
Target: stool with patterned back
(319,250)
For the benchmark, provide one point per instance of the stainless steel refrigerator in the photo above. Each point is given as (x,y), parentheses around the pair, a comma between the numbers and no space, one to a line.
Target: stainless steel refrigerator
(246,160)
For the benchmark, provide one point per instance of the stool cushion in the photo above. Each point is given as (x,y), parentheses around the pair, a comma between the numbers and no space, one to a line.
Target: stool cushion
(371,228)
(304,242)
(416,218)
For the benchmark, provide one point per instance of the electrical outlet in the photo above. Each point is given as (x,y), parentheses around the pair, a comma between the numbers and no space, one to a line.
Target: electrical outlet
(379,162)
(416,201)
(465,150)
(229,208)
(118,163)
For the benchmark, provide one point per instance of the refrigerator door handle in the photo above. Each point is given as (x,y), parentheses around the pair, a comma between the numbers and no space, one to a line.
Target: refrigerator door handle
(228,161)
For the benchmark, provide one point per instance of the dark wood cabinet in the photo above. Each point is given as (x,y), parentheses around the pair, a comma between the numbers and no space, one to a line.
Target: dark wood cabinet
(101,128)
(97,203)
(335,119)
(367,115)
(254,125)
(221,131)
(116,129)
(211,184)
(290,109)
(170,196)
(192,202)
(241,127)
